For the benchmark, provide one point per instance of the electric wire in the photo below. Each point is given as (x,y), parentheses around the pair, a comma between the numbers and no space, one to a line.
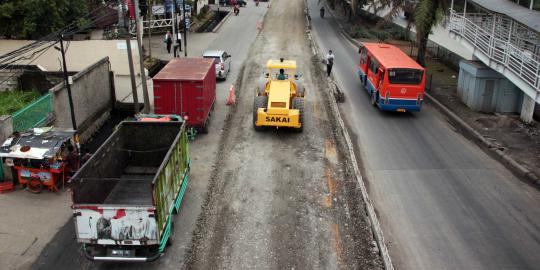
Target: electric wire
(21,52)
(69,29)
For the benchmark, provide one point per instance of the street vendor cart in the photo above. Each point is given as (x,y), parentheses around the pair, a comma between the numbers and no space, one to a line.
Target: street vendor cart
(42,157)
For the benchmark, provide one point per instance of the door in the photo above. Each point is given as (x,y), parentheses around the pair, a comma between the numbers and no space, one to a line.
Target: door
(487,96)
(164,101)
(178,99)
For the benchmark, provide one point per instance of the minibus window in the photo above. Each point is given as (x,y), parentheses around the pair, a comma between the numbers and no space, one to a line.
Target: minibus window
(405,76)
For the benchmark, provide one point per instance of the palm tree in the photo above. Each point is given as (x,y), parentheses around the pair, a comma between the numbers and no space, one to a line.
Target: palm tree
(427,14)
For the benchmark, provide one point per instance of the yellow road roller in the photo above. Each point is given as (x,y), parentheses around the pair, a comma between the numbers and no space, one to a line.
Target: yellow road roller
(279,101)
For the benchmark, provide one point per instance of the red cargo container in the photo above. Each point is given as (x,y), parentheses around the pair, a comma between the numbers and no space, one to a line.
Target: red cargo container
(186,87)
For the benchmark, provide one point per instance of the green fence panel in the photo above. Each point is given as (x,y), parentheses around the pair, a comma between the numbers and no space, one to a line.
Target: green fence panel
(33,115)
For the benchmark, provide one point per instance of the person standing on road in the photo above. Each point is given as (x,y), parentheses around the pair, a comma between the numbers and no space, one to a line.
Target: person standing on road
(177,45)
(329,62)
(168,41)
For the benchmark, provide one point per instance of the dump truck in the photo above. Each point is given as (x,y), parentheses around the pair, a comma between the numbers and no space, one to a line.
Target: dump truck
(125,196)
(279,101)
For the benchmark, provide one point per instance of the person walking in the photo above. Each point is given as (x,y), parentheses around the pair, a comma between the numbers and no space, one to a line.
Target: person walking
(329,62)
(178,45)
(168,41)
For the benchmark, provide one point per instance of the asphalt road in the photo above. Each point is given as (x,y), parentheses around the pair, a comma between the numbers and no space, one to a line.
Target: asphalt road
(442,202)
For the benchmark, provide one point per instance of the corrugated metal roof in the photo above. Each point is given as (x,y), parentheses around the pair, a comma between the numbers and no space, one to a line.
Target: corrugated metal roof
(391,56)
(528,17)
(185,69)
(40,146)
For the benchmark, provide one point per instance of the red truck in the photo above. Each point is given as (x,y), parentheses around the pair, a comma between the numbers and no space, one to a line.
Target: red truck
(187,87)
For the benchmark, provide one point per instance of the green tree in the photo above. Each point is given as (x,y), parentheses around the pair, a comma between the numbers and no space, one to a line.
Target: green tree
(31,19)
(427,14)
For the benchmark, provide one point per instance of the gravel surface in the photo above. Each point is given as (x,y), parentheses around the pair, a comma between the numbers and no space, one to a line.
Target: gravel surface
(279,199)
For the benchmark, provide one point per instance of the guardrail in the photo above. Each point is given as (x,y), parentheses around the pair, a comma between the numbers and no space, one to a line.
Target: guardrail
(520,61)
(33,115)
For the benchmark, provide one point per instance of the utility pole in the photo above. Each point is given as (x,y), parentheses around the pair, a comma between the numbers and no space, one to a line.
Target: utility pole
(130,60)
(66,82)
(185,28)
(173,19)
(150,28)
(141,59)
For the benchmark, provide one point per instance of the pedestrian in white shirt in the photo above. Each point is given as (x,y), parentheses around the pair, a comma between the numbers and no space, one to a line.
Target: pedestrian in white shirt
(329,62)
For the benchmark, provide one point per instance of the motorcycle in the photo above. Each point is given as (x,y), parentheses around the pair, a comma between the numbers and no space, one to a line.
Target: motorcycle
(236,10)
(322,12)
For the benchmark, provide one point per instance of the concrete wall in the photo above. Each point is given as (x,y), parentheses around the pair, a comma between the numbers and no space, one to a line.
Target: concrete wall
(6,127)
(9,79)
(92,99)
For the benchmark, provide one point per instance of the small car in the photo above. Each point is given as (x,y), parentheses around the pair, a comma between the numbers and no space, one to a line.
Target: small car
(222,62)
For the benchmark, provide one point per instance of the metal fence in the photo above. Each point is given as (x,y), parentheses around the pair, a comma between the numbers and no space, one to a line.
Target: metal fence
(33,115)
(519,61)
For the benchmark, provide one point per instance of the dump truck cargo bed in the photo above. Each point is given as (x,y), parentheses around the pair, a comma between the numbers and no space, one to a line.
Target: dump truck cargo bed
(124,196)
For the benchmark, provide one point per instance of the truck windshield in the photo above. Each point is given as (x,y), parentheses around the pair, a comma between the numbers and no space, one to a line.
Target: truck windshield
(405,76)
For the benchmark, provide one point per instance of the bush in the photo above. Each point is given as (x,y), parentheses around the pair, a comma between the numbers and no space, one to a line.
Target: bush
(362,33)
(368,17)
(12,101)
(379,34)
(358,31)
(397,33)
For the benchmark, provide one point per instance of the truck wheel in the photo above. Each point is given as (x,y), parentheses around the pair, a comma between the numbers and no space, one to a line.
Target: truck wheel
(298,103)
(204,129)
(172,235)
(260,102)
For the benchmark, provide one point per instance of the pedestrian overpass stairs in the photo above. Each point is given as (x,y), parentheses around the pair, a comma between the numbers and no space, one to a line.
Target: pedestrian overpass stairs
(492,41)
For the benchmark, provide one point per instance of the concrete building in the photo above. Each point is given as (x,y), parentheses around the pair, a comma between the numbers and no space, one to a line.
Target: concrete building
(504,37)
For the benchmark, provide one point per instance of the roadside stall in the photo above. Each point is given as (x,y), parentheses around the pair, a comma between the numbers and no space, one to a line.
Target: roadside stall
(42,157)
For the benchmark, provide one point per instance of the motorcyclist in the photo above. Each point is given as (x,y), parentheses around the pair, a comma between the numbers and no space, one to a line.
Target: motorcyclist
(322,12)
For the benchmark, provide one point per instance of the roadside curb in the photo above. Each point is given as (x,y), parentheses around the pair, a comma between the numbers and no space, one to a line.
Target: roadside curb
(510,163)
(216,29)
(372,216)
(523,173)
